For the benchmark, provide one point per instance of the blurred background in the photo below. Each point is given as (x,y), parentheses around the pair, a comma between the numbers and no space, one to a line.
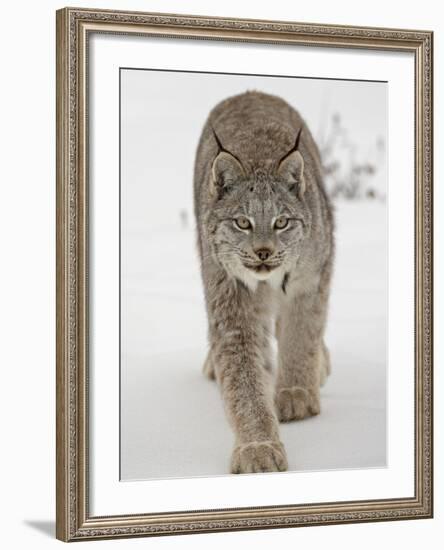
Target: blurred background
(172,419)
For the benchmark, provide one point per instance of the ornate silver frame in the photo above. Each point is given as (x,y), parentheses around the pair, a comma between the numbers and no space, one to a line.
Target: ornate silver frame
(73,519)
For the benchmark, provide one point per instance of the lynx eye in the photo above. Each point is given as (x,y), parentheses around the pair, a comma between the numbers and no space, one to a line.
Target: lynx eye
(243,223)
(281,222)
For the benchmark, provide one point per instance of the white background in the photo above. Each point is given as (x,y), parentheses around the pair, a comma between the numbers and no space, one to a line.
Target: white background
(28,305)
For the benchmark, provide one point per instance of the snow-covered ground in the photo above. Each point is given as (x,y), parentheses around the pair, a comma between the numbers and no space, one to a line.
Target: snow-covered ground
(172,419)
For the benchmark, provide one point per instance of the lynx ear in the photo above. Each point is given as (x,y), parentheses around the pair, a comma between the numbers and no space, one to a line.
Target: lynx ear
(226,170)
(291,169)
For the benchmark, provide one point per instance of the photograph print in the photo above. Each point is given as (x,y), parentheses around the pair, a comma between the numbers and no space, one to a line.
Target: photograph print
(253,274)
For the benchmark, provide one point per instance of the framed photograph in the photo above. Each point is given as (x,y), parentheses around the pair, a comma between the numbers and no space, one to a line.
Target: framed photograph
(244,274)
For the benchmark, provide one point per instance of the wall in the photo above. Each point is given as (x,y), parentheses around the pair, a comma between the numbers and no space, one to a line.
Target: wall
(27,289)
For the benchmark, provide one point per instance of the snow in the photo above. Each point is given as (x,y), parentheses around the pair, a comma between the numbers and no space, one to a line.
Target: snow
(172,418)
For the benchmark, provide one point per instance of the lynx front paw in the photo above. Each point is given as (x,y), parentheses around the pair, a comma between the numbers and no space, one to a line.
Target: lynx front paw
(259,456)
(296,403)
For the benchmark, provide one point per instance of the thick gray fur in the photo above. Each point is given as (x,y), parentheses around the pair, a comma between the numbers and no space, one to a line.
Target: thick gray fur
(257,160)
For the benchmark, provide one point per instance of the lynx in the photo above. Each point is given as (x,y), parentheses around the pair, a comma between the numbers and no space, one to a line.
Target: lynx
(266,245)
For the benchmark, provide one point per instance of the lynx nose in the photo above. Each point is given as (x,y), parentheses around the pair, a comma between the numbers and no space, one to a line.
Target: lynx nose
(263,253)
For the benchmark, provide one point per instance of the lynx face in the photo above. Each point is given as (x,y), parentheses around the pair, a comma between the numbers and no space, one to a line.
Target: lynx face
(259,228)
(258,221)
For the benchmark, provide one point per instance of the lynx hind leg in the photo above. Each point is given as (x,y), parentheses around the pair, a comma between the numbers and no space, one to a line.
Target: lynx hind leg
(208,367)
(325,365)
